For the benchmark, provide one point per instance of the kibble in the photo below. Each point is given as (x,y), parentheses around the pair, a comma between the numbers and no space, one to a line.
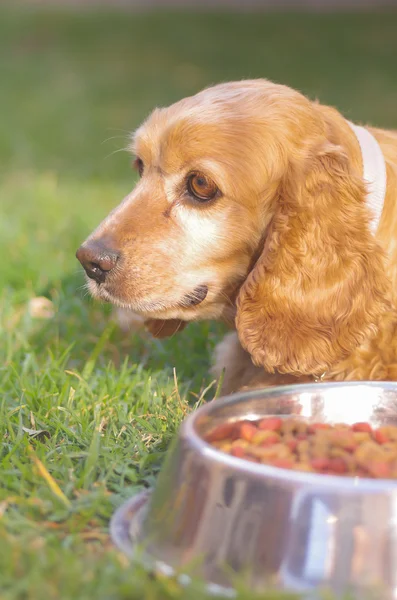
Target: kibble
(355,450)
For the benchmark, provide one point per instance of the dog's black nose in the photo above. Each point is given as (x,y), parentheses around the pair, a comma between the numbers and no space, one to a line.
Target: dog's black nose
(97,260)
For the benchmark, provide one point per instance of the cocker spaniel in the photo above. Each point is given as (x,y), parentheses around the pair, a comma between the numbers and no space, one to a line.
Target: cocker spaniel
(252,208)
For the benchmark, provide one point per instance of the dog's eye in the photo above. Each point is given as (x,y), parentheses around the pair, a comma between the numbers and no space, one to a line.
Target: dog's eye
(139,166)
(201,187)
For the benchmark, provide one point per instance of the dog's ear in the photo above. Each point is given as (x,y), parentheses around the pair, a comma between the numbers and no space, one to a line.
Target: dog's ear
(160,328)
(319,285)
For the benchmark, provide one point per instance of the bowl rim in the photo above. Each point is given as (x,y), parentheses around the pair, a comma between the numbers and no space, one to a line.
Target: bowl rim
(313,480)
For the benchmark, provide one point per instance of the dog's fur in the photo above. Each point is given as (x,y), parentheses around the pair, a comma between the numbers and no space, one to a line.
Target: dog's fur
(285,250)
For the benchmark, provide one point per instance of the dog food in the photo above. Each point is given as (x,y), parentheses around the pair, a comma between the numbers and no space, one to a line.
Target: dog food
(350,450)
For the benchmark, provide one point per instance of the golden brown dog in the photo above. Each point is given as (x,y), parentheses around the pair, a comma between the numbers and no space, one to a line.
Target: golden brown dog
(251,208)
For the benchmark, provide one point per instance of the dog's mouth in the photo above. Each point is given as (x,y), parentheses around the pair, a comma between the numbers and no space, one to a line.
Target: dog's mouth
(147,307)
(194,298)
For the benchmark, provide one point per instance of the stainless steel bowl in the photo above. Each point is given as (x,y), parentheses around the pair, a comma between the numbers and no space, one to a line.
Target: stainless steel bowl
(216,516)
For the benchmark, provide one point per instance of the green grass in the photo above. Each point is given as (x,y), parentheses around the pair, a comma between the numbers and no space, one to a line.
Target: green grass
(72,86)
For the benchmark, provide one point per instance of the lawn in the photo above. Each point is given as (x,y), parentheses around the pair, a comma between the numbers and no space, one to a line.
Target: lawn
(72,86)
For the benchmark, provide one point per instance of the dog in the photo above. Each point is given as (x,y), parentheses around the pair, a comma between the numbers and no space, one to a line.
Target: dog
(253,208)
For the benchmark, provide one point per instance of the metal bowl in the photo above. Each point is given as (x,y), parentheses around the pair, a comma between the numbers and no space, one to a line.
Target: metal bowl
(217,517)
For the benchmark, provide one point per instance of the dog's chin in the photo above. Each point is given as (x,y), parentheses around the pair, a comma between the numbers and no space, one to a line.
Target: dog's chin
(165,309)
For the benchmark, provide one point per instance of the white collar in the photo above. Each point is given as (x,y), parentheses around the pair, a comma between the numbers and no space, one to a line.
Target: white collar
(374,172)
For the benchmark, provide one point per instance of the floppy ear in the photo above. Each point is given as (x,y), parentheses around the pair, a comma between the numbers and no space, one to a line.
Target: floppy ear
(319,286)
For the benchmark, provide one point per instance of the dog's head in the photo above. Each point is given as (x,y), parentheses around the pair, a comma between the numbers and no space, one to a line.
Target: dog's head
(246,203)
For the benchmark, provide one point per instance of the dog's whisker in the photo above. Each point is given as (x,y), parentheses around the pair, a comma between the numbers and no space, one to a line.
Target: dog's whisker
(114,137)
(116,152)
(161,328)
(126,131)
(180,324)
(226,297)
